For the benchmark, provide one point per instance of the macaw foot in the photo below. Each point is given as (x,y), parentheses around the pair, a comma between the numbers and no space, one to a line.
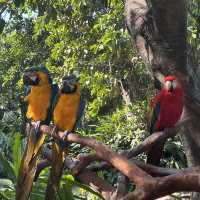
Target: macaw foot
(54,131)
(63,142)
(66,133)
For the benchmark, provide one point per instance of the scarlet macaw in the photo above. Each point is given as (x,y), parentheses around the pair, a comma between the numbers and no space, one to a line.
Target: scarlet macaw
(68,110)
(40,93)
(167,109)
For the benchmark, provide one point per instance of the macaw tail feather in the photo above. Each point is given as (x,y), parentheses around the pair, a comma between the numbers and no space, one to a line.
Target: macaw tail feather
(28,165)
(58,157)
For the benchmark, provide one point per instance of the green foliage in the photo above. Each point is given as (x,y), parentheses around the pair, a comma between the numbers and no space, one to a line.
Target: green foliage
(122,129)
(193,26)
(174,156)
(9,170)
(6,189)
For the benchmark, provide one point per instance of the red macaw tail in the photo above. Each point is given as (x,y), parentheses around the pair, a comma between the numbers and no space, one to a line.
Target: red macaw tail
(58,156)
(155,153)
(28,165)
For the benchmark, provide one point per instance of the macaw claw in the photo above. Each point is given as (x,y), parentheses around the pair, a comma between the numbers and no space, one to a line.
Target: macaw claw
(63,143)
(54,131)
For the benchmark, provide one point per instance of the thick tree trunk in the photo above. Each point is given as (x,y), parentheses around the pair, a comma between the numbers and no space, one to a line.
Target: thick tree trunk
(159,32)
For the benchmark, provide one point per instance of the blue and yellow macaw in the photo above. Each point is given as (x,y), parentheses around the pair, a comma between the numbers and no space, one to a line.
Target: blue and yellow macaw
(40,93)
(68,110)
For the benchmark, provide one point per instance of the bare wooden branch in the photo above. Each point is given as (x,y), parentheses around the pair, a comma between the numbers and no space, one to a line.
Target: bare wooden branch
(129,169)
(150,141)
(40,166)
(84,161)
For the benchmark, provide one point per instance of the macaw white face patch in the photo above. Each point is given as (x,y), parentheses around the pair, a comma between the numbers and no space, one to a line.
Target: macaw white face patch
(174,84)
(168,85)
(33,78)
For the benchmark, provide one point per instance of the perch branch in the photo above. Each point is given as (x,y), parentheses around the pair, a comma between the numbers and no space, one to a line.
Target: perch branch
(129,169)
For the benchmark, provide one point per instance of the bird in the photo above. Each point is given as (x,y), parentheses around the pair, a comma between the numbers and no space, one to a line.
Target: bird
(39,95)
(67,113)
(167,109)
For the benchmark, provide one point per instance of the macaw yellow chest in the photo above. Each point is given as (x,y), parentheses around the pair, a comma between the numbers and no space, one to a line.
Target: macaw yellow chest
(66,110)
(39,101)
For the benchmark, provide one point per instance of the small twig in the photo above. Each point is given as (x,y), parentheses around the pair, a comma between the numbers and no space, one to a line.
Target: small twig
(40,166)
(84,161)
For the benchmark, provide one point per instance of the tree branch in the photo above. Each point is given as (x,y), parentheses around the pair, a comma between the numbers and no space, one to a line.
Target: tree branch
(129,169)
(40,166)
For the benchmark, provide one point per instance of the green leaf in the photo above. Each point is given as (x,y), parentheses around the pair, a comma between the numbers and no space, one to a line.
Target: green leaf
(7,189)
(66,188)
(17,155)
(8,169)
(4,196)
(68,192)
(6,184)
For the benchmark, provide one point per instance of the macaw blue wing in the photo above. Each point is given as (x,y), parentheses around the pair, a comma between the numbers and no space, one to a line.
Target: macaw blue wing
(154,118)
(55,90)
(27,89)
(23,104)
(155,152)
(80,113)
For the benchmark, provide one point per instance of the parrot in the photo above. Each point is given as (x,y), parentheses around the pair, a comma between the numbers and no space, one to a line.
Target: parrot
(68,110)
(40,93)
(167,109)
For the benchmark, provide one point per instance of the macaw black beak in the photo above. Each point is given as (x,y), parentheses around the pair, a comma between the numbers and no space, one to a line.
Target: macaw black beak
(171,88)
(67,87)
(30,78)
